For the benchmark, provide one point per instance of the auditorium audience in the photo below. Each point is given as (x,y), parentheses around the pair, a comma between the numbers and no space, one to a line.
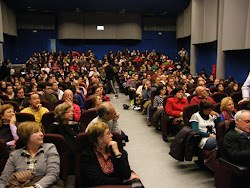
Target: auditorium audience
(35,107)
(20,97)
(36,156)
(9,91)
(96,101)
(205,122)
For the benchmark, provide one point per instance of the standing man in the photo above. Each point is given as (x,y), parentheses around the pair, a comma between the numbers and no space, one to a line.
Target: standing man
(183,54)
(246,90)
(110,75)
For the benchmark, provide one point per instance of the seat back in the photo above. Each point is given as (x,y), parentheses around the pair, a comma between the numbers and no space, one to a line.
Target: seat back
(244,106)
(188,111)
(4,97)
(87,104)
(48,119)
(4,154)
(213,89)
(86,117)
(216,107)
(222,128)
(218,96)
(236,96)
(82,143)
(21,117)
(14,104)
(190,97)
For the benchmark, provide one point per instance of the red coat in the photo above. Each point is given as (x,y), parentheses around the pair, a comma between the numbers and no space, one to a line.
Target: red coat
(77,112)
(174,106)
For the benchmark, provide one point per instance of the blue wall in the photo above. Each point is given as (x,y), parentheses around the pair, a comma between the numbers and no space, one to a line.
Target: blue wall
(206,55)
(238,64)
(27,42)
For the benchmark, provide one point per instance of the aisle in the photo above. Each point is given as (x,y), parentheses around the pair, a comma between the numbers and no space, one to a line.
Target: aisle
(148,154)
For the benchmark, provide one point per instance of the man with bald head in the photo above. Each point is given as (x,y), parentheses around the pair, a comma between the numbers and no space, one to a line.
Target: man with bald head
(107,114)
(68,97)
(201,94)
(35,107)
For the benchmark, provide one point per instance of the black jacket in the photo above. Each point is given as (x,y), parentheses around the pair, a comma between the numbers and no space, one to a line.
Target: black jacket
(184,144)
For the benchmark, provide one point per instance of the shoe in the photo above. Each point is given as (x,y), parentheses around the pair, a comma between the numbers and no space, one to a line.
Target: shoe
(149,123)
(116,96)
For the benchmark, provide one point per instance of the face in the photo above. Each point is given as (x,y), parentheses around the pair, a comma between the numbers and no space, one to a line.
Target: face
(69,114)
(230,106)
(98,100)
(8,114)
(179,95)
(202,92)
(148,84)
(55,86)
(48,89)
(171,82)
(111,115)
(68,95)
(207,111)
(244,123)
(163,91)
(98,91)
(106,137)
(9,90)
(221,88)
(34,88)
(235,87)
(20,94)
(35,100)
(36,138)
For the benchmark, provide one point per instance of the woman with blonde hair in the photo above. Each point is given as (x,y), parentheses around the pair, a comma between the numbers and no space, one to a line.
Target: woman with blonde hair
(8,124)
(40,158)
(227,109)
(103,163)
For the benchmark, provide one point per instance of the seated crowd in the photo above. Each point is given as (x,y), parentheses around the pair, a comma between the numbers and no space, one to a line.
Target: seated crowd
(65,83)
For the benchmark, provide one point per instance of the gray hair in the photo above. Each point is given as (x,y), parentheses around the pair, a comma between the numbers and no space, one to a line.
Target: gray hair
(104,109)
(238,115)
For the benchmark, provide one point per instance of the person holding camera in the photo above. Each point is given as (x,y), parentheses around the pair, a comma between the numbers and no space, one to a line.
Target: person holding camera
(204,121)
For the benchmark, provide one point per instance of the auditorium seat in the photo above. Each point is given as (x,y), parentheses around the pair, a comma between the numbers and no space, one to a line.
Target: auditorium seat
(236,96)
(4,97)
(48,119)
(87,104)
(216,107)
(21,117)
(218,96)
(14,104)
(4,154)
(86,117)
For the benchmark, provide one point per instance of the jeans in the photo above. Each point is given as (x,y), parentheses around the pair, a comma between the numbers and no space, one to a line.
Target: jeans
(211,143)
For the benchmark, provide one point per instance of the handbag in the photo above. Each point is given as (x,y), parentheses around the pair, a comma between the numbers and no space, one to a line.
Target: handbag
(20,179)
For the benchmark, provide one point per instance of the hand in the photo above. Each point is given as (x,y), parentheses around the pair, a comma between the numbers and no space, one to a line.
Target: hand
(38,106)
(13,120)
(214,113)
(243,100)
(116,116)
(212,135)
(181,114)
(114,146)
(132,176)
(29,187)
(145,87)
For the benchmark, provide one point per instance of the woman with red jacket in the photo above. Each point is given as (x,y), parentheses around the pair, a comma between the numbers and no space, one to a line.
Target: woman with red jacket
(174,106)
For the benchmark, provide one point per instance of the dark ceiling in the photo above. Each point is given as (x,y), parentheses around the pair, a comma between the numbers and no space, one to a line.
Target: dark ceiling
(144,7)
